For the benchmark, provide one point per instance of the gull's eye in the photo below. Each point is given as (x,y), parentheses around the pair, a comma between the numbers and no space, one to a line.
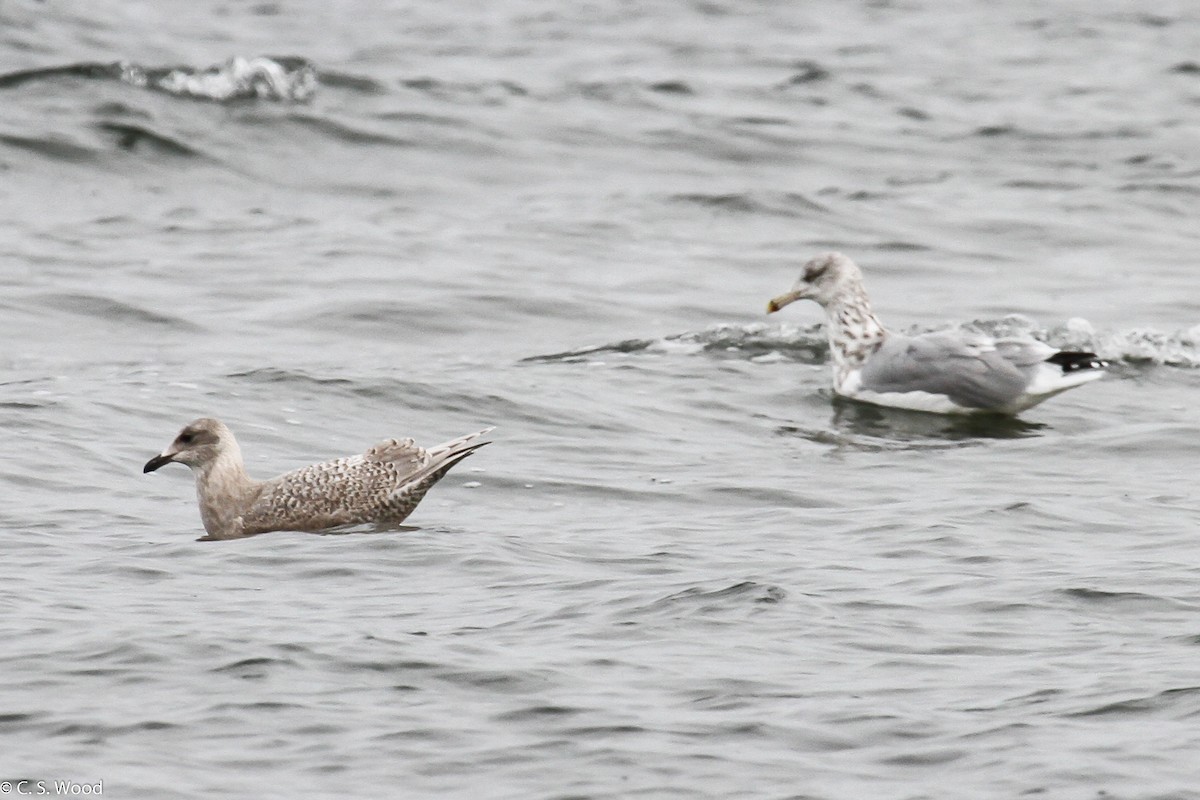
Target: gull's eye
(187,438)
(815,272)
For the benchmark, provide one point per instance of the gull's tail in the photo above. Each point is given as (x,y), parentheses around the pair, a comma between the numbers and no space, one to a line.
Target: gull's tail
(404,498)
(445,455)
(441,458)
(1061,371)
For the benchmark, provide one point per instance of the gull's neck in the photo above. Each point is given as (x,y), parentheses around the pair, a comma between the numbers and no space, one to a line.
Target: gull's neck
(225,491)
(854,331)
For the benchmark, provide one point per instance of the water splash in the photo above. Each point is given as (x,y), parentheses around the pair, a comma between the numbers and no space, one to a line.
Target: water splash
(807,344)
(756,340)
(285,79)
(1180,348)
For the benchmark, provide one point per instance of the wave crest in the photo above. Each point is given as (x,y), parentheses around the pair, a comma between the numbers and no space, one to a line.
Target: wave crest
(286,78)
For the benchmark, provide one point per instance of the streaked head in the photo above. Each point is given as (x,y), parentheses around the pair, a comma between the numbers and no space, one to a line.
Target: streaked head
(199,443)
(824,278)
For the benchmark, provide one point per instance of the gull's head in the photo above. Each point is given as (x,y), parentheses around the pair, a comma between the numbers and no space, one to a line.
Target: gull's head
(200,443)
(824,278)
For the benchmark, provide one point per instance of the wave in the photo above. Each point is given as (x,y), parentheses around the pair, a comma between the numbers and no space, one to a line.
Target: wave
(763,342)
(111,310)
(283,78)
(753,340)
(784,204)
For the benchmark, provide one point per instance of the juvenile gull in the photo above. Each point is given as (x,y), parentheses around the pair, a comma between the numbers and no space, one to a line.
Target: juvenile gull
(947,372)
(382,485)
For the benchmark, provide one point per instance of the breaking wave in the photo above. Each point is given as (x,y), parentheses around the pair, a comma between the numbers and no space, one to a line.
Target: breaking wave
(807,344)
(287,79)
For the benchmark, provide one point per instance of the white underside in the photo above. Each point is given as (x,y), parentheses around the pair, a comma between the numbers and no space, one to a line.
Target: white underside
(913,401)
(1048,381)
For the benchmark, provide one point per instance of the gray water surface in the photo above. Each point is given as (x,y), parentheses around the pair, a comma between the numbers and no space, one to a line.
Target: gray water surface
(683,569)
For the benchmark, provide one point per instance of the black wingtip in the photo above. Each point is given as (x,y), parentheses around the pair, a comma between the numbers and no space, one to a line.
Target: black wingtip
(1075,361)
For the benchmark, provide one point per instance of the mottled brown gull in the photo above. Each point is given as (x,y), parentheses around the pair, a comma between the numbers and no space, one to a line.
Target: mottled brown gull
(947,372)
(383,485)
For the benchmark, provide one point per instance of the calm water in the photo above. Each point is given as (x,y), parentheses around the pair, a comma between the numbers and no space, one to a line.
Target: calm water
(683,569)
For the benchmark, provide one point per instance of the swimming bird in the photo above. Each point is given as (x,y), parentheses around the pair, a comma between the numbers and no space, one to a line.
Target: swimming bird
(946,372)
(383,485)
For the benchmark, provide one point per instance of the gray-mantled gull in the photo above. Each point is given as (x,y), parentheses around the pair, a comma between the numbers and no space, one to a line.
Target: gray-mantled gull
(947,372)
(383,485)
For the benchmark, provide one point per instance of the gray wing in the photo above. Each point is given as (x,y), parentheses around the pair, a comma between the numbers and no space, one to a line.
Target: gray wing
(1025,354)
(971,369)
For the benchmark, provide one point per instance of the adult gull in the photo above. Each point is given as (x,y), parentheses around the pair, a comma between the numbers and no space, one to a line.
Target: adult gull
(382,485)
(946,372)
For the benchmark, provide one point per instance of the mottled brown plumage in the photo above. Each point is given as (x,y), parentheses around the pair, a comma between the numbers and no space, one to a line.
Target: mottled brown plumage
(383,485)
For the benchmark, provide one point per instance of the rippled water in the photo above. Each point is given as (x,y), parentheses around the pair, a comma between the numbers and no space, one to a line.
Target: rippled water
(683,569)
